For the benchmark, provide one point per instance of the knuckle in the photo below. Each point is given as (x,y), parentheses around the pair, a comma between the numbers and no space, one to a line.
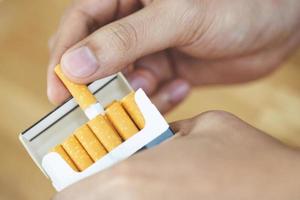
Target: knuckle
(186,11)
(212,119)
(124,36)
(216,115)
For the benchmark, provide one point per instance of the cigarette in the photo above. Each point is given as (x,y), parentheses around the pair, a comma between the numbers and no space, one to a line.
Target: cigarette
(121,120)
(77,153)
(82,95)
(128,102)
(105,132)
(60,150)
(90,142)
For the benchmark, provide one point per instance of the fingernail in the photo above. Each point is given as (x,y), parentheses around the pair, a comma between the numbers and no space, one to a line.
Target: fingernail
(137,82)
(180,92)
(80,63)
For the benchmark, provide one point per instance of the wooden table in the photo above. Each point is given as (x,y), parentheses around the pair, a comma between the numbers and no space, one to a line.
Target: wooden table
(26,26)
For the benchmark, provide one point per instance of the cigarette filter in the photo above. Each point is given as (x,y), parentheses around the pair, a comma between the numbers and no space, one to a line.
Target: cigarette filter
(59,149)
(121,120)
(90,142)
(128,102)
(83,96)
(104,131)
(77,153)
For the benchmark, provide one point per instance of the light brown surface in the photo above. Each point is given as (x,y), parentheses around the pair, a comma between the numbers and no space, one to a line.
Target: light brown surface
(271,104)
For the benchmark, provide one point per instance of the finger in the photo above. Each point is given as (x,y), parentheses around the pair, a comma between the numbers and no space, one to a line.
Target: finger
(146,2)
(61,44)
(150,72)
(127,7)
(79,21)
(171,94)
(176,126)
(56,91)
(118,44)
(183,127)
(143,78)
(128,70)
(84,16)
(235,70)
(159,64)
(75,26)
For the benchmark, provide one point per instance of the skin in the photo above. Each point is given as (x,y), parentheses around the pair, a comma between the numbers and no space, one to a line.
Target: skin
(166,47)
(202,42)
(213,156)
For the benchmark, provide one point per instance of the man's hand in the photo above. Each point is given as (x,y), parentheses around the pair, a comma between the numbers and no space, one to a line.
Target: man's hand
(166,46)
(213,156)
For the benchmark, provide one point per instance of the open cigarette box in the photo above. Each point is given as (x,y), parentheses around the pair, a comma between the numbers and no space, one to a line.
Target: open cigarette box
(59,124)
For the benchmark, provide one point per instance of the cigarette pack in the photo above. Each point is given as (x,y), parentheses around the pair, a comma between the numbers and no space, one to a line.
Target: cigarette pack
(59,124)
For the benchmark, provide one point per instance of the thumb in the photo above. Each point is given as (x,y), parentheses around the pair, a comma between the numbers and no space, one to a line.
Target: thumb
(120,43)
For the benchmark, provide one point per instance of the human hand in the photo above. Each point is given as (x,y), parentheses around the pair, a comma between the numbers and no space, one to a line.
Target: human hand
(167,46)
(214,156)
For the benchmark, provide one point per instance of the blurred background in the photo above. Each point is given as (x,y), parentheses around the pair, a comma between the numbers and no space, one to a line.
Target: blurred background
(271,104)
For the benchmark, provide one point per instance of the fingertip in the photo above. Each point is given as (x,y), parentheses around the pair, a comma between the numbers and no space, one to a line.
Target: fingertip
(179,89)
(171,94)
(182,127)
(54,98)
(57,96)
(143,78)
(176,126)
(56,91)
